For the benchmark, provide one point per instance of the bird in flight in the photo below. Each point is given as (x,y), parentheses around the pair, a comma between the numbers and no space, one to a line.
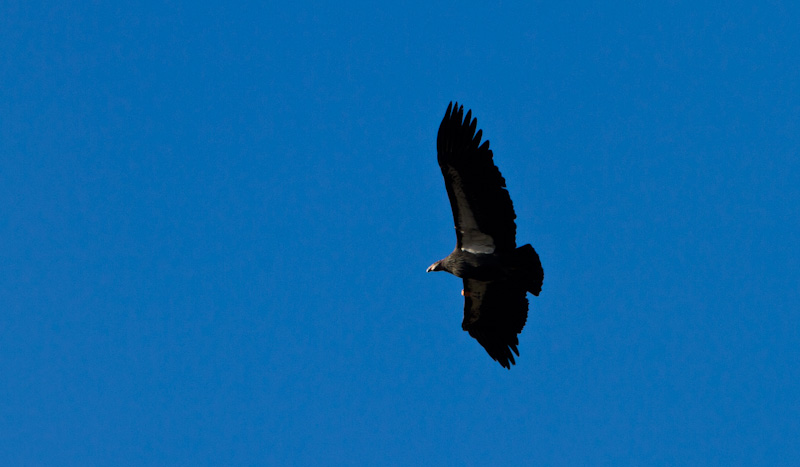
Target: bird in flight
(497,274)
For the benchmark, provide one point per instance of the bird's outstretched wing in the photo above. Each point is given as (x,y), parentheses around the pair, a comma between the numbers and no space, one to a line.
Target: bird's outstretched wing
(494,313)
(482,209)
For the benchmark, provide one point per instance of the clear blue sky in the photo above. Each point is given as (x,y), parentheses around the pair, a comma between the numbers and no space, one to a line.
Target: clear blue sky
(215,221)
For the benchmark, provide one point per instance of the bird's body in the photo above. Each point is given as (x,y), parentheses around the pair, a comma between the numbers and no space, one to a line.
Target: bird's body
(496,273)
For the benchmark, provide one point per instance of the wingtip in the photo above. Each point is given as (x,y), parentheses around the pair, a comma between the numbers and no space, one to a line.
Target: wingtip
(455,115)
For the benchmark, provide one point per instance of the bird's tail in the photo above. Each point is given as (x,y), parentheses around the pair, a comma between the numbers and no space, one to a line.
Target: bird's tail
(529,268)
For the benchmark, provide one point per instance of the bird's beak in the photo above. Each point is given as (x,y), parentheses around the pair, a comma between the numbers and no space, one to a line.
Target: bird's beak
(430,268)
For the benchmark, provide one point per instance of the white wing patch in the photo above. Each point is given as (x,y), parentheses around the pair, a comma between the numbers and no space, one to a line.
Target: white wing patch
(472,239)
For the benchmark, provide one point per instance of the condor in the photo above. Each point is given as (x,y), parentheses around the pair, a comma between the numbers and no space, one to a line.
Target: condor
(497,275)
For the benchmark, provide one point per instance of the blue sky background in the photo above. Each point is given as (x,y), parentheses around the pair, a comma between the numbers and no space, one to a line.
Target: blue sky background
(215,221)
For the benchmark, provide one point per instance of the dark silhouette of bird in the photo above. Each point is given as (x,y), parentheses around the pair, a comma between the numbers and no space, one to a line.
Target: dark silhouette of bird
(497,274)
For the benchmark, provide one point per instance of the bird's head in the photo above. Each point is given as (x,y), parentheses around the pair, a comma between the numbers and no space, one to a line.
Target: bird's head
(437,266)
